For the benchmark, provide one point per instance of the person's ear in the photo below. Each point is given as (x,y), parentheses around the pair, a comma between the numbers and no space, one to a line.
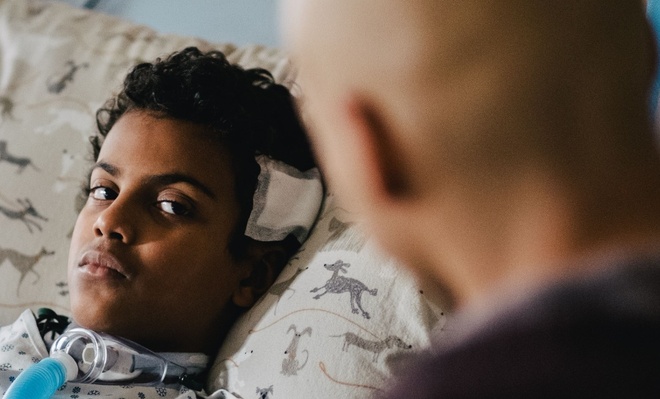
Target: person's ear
(380,159)
(265,269)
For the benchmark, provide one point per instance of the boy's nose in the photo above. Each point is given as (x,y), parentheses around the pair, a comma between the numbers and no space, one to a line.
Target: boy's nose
(116,222)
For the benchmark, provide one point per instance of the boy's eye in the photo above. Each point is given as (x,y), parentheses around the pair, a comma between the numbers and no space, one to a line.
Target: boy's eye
(173,208)
(102,193)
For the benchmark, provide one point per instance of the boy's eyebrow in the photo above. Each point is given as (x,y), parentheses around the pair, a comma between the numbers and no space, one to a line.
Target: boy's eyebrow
(162,179)
(111,169)
(171,178)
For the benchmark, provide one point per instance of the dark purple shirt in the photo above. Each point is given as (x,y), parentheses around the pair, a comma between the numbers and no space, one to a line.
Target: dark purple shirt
(589,338)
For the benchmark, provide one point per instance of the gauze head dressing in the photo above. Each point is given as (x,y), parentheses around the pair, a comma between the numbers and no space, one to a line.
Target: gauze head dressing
(286,201)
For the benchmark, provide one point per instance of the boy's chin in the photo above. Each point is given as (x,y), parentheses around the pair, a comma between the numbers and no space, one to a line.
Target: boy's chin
(108,320)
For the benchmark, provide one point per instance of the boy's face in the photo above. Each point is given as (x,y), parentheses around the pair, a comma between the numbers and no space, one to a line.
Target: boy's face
(148,258)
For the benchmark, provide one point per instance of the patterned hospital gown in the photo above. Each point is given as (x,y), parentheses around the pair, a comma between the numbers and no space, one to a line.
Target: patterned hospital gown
(21,346)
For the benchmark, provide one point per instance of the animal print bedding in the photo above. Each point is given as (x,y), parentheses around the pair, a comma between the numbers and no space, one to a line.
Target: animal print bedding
(336,323)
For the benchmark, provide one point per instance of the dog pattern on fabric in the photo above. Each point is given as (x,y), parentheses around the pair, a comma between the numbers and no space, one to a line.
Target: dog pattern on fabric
(59,81)
(26,214)
(23,263)
(264,393)
(338,284)
(5,156)
(290,364)
(376,347)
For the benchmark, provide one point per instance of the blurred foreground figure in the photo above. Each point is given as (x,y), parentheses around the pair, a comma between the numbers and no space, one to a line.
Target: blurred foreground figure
(503,150)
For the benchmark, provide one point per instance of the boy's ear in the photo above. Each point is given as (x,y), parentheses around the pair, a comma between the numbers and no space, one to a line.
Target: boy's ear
(380,159)
(265,269)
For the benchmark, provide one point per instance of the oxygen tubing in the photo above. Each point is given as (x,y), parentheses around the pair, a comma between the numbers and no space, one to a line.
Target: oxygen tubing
(44,378)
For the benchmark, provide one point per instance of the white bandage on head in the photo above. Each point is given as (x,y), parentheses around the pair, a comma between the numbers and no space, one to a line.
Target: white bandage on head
(286,201)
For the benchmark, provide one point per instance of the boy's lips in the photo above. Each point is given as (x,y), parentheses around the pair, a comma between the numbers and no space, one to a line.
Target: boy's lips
(97,262)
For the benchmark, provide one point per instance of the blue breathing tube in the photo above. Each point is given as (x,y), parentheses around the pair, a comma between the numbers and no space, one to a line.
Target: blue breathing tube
(44,378)
(84,356)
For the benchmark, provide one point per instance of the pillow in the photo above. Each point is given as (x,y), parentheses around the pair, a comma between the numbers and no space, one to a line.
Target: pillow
(341,314)
(336,323)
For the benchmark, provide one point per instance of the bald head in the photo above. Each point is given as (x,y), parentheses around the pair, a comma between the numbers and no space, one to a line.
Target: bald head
(502,78)
(482,132)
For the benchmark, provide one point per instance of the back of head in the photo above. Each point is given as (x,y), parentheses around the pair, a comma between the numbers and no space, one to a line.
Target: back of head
(513,132)
(486,84)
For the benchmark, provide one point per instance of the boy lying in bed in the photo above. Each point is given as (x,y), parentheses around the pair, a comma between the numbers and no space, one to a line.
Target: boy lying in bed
(169,249)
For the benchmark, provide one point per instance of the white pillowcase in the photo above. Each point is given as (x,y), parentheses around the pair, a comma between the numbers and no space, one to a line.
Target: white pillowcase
(335,324)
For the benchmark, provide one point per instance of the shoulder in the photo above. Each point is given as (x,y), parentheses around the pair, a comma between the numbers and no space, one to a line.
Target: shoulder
(20,344)
(595,337)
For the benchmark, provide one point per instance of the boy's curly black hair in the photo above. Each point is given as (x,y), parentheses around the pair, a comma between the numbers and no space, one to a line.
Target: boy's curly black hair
(247,110)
